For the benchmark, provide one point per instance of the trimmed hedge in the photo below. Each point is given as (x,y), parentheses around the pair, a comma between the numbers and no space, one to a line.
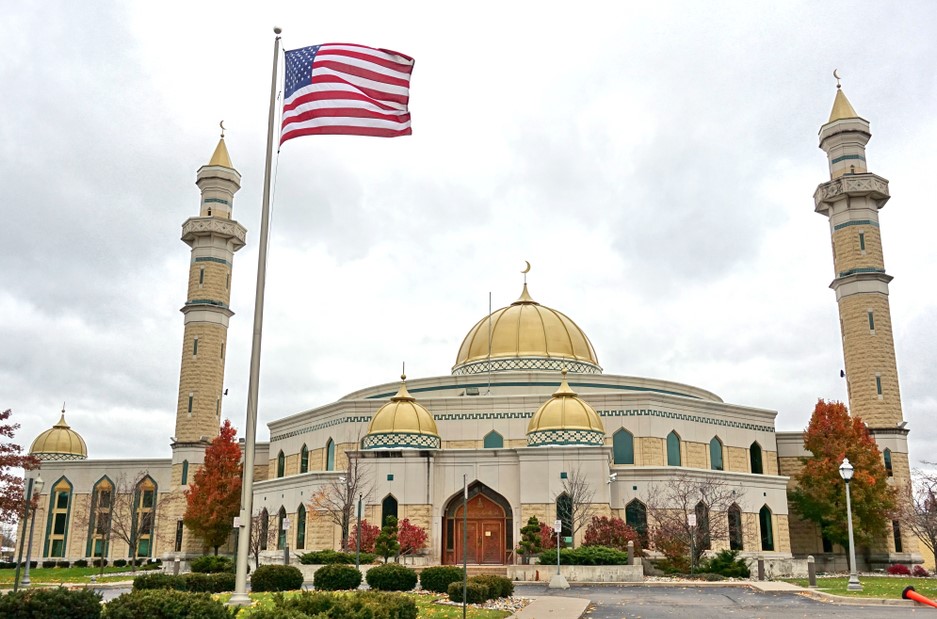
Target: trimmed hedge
(475,592)
(51,603)
(166,605)
(80,563)
(336,577)
(212,564)
(498,586)
(276,578)
(371,604)
(193,582)
(438,578)
(585,555)
(391,577)
(327,557)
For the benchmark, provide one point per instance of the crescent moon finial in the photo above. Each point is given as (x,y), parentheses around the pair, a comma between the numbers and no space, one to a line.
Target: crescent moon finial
(836,75)
(526,270)
(221,124)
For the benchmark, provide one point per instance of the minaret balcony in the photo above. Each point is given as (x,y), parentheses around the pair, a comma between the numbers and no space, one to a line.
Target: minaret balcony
(866,185)
(229,229)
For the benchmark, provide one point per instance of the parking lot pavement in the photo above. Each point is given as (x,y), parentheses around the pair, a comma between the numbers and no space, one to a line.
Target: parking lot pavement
(637,602)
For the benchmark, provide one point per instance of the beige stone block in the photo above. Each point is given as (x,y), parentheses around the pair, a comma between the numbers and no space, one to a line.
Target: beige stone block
(737,459)
(652,451)
(697,455)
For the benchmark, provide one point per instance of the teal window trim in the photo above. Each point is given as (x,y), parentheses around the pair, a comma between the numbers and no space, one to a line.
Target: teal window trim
(304,459)
(767,530)
(493,440)
(281,532)
(185,472)
(50,520)
(97,543)
(191,398)
(862,241)
(888,467)
(301,527)
(264,528)
(636,518)
(871,320)
(878,385)
(673,449)
(195,346)
(756,459)
(281,464)
(201,275)
(736,534)
(330,455)
(389,507)
(623,447)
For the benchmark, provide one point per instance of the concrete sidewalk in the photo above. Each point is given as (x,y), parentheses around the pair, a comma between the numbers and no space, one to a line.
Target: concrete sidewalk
(553,607)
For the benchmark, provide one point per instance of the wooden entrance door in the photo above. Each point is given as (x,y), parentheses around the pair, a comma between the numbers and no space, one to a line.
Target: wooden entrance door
(485,527)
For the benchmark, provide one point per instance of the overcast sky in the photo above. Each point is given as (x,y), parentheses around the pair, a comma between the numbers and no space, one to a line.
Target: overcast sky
(655,162)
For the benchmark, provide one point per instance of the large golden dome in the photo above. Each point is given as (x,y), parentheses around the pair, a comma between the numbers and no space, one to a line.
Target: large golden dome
(59,442)
(564,419)
(402,423)
(526,336)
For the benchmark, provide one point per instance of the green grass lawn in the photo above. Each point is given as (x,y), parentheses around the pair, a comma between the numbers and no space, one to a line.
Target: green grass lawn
(887,587)
(424,603)
(53,575)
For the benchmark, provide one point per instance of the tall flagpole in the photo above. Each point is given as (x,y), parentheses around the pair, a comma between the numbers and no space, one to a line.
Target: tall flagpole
(240,597)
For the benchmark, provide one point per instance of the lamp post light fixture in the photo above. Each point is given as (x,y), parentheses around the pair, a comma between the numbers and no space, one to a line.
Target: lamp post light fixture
(845,471)
(33,488)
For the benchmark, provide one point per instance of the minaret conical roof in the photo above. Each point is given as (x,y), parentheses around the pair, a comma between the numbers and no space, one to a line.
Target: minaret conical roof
(842,108)
(221,157)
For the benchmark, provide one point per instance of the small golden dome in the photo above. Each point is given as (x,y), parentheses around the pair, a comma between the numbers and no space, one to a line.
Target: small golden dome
(221,157)
(526,336)
(565,419)
(59,442)
(402,423)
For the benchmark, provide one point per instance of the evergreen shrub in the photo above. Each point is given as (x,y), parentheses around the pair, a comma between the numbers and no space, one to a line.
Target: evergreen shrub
(475,592)
(276,578)
(212,564)
(391,577)
(438,578)
(726,563)
(327,557)
(498,586)
(336,577)
(51,603)
(166,605)
(585,555)
(80,563)
(120,562)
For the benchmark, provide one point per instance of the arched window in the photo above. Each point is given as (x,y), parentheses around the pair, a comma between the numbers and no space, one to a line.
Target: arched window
(715,454)
(281,464)
(185,472)
(388,508)
(623,447)
(767,533)
(264,528)
(99,518)
(754,454)
(564,513)
(887,455)
(57,525)
(673,449)
(493,440)
(636,518)
(896,531)
(304,459)
(281,530)
(702,526)
(301,527)
(330,455)
(144,501)
(736,540)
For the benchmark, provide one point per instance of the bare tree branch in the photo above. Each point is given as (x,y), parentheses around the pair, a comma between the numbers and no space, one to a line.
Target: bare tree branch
(337,499)
(579,507)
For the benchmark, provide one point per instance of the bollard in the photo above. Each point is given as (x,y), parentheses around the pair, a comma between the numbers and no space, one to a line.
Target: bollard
(761,569)
(811,572)
(910,594)
(630,553)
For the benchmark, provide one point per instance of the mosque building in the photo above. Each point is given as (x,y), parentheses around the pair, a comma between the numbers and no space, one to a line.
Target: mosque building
(525,416)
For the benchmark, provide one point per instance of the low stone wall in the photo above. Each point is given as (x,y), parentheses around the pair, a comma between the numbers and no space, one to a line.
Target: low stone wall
(578,573)
(779,568)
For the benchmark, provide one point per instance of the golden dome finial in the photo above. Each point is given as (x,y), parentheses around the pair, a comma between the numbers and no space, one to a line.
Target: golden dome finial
(526,270)
(564,390)
(221,124)
(836,75)
(402,394)
(842,108)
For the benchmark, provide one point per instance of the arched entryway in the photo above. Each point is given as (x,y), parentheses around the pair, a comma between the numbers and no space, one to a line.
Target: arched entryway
(489,526)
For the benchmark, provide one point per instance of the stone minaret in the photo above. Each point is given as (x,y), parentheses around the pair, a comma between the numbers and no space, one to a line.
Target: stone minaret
(213,237)
(851,201)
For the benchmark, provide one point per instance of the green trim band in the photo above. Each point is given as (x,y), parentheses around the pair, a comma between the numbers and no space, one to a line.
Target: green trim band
(860,270)
(856,222)
(216,201)
(211,259)
(388,394)
(400,440)
(845,157)
(207,302)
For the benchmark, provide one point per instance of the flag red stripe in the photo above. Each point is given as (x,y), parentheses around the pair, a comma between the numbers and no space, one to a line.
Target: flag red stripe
(378,95)
(380,58)
(347,112)
(349,69)
(379,132)
(311,96)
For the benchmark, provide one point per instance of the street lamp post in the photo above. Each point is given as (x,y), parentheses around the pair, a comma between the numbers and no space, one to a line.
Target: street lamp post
(33,487)
(845,471)
(358,536)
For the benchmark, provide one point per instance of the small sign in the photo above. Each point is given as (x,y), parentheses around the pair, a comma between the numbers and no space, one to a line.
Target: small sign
(286,524)
(557,526)
(237,522)
(487,533)
(691,520)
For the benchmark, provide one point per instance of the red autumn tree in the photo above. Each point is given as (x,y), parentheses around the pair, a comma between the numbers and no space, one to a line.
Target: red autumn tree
(611,532)
(411,537)
(547,536)
(820,494)
(11,457)
(369,533)
(213,498)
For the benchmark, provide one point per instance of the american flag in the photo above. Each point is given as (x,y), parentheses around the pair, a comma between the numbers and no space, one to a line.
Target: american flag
(341,88)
